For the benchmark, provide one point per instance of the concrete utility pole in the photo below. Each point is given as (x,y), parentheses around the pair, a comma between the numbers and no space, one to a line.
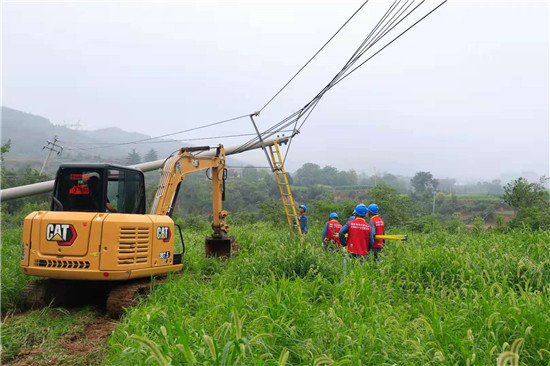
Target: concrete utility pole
(52,146)
(43,187)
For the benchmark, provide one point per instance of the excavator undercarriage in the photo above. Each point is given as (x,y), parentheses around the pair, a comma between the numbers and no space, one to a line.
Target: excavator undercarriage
(114,297)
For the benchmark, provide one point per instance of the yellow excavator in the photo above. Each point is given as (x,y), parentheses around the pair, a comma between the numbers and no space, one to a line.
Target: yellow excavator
(98,243)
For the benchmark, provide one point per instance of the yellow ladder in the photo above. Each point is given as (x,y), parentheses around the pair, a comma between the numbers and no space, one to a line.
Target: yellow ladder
(284,187)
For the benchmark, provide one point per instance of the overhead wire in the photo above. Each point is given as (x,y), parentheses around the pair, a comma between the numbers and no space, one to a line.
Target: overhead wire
(385,25)
(316,53)
(393,40)
(380,34)
(285,122)
(178,132)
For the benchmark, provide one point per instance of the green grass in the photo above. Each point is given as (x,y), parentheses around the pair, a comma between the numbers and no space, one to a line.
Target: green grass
(45,336)
(13,279)
(437,299)
(450,299)
(38,336)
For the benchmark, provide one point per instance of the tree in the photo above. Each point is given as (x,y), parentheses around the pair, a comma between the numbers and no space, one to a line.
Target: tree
(522,194)
(5,149)
(309,174)
(424,182)
(14,178)
(394,208)
(151,156)
(330,175)
(133,158)
(446,185)
(531,202)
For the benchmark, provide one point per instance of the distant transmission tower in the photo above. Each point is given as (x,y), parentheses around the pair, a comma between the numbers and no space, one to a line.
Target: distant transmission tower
(75,126)
(52,146)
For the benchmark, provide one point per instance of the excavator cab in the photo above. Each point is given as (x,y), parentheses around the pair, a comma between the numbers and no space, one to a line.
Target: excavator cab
(99,188)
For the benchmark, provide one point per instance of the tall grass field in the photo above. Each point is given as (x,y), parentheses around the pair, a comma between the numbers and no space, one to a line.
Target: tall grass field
(472,298)
(450,299)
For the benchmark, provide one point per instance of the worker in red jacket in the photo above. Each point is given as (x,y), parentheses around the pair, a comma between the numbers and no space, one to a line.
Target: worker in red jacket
(360,234)
(330,232)
(379,229)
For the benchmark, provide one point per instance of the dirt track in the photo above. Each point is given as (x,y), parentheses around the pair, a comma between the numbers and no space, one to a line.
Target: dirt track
(84,345)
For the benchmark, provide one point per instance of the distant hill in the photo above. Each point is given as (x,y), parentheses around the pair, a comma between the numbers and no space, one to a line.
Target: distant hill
(28,134)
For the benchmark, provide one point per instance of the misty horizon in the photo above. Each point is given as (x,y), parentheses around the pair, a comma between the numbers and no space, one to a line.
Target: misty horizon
(458,96)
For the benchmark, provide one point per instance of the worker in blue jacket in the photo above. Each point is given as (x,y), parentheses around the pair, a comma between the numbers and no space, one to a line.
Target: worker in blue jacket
(302,219)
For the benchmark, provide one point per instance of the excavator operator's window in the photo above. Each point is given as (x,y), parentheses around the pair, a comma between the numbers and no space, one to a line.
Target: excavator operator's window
(79,189)
(125,191)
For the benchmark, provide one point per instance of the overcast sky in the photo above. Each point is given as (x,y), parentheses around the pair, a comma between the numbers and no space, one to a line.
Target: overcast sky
(464,94)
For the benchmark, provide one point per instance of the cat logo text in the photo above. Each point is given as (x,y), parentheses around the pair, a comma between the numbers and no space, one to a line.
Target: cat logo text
(63,234)
(163,233)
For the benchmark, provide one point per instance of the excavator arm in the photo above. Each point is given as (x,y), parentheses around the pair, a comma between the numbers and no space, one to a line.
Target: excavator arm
(174,171)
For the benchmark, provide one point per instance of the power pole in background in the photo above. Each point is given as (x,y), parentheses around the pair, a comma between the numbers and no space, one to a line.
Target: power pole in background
(52,146)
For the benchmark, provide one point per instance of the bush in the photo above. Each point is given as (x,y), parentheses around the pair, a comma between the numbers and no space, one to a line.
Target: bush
(395,208)
(478,224)
(455,225)
(242,218)
(15,220)
(273,212)
(532,217)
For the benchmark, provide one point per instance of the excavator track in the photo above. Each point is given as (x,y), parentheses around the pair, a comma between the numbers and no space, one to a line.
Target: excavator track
(35,295)
(126,295)
(63,293)
(115,297)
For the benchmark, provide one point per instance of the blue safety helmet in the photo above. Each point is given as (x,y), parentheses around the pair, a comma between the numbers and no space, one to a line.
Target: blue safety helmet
(361,210)
(333,215)
(304,207)
(373,208)
(353,213)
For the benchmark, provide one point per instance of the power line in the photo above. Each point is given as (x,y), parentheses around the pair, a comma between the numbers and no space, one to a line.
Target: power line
(177,132)
(312,57)
(383,27)
(405,31)
(388,27)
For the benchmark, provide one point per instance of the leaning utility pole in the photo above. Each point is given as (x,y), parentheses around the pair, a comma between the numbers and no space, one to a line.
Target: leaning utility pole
(52,146)
(43,187)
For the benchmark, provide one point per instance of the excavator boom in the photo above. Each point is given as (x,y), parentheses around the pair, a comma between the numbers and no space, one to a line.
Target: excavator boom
(175,169)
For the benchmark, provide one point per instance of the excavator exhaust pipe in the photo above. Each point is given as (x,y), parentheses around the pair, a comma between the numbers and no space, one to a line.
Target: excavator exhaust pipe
(222,247)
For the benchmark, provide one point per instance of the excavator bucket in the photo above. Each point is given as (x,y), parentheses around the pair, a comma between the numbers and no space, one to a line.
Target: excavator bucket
(220,246)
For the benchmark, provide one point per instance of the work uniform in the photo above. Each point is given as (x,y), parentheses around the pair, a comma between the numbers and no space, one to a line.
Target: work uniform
(331,232)
(352,217)
(379,229)
(360,237)
(302,220)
